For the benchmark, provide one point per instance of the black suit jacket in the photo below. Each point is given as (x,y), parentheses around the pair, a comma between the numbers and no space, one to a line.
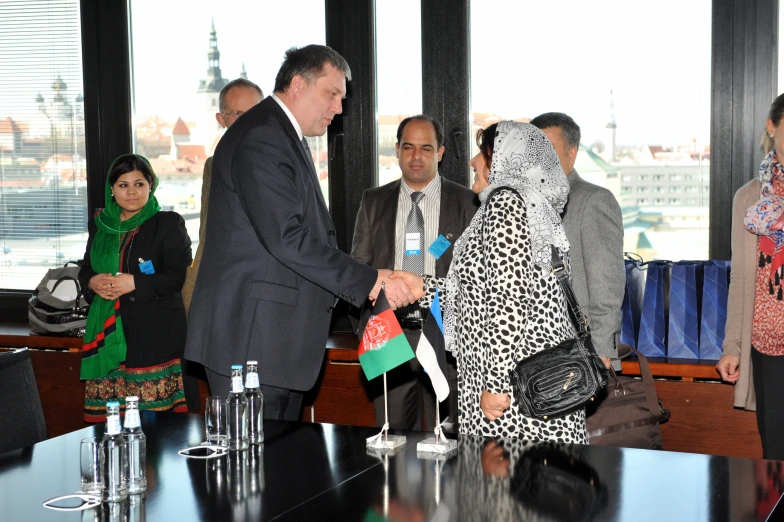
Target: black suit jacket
(271,267)
(374,231)
(153,315)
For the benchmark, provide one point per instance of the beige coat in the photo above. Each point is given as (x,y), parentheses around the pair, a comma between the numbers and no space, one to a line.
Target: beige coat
(193,270)
(740,309)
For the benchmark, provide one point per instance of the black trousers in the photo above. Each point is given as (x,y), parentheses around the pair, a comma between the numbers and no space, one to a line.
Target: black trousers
(768,373)
(410,395)
(279,403)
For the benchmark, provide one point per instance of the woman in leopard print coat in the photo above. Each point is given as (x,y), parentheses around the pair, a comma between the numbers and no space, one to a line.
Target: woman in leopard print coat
(501,301)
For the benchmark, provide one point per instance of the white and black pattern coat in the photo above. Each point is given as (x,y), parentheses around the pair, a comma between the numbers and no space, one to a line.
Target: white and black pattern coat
(506,309)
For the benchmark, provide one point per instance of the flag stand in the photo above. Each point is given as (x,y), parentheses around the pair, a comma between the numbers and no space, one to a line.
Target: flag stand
(383,440)
(437,447)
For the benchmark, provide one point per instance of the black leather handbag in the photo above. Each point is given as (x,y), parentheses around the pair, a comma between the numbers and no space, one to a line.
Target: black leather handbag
(560,379)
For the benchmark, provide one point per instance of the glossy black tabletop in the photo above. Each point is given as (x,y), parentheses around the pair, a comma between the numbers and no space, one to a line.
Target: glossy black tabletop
(309,471)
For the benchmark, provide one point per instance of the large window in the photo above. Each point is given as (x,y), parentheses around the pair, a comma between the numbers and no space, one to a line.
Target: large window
(398,75)
(183,53)
(637,81)
(43,201)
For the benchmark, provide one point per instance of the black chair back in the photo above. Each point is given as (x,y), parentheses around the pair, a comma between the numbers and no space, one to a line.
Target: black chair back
(21,414)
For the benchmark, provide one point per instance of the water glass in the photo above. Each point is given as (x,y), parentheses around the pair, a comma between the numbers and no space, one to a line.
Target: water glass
(91,461)
(216,421)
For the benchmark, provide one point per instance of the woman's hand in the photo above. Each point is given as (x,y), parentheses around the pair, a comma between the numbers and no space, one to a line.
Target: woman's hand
(122,284)
(728,368)
(494,462)
(494,405)
(101,284)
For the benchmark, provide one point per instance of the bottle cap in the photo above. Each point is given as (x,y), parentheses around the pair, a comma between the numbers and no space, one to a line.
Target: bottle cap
(236,367)
(132,398)
(253,362)
(112,403)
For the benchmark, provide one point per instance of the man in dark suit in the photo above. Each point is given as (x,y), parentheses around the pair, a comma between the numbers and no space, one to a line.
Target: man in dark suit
(382,237)
(271,268)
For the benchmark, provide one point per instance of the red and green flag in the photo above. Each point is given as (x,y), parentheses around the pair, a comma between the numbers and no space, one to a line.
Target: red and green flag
(384,345)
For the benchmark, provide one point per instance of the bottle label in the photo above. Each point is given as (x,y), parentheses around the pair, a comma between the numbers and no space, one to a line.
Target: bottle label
(252,380)
(236,385)
(113,426)
(132,419)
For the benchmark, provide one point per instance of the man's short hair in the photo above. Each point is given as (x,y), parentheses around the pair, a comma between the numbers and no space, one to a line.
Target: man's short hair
(569,129)
(422,117)
(309,62)
(239,82)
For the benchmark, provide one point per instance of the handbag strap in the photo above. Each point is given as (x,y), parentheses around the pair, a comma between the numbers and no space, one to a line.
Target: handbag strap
(559,269)
(649,384)
(79,292)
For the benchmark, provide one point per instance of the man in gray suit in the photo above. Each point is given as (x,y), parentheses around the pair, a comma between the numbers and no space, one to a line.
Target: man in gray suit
(271,272)
(594,227)
(380,236)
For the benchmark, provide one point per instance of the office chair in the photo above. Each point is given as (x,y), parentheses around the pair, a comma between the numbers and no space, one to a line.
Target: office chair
(21,413)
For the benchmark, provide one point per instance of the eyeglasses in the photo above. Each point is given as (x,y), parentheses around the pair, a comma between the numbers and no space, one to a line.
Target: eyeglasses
(203,452)
(236,114)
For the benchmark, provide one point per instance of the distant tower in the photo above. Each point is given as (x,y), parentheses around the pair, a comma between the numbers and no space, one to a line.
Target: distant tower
(610,151)
(243,73)
(210,88)
(180,134)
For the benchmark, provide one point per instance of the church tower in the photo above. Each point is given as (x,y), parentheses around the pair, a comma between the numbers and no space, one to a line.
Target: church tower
(210,88)
(610,151)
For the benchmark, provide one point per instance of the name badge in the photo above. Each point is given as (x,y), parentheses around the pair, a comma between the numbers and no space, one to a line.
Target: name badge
(146,267)
(439,246)
(412,244)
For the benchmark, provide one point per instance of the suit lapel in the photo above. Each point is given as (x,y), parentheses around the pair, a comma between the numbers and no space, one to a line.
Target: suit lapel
(306,159)
(389,213)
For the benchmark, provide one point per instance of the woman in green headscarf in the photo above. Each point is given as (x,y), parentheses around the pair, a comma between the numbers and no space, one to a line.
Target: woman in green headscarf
(134,269)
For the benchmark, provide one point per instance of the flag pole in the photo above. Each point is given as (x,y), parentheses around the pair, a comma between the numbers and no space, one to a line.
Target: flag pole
(438,422)
(386,413)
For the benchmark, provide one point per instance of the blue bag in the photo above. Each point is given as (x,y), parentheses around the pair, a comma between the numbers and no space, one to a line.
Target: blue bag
(652,341)
(715,291)
(632,301)
(683,337)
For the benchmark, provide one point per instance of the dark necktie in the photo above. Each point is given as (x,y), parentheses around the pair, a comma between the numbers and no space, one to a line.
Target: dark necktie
(413,250)
(312,168)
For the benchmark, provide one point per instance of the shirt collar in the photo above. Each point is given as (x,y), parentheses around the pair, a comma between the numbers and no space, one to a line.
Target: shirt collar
(429,190)
(289,114)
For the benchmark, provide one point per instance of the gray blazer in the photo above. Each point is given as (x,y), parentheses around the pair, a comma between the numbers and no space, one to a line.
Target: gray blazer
(594,226)
(271,267)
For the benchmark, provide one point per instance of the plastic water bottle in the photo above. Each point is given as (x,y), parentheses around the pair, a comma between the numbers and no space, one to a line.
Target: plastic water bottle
(137,447)
(115,462)
(255,403)
(238,411)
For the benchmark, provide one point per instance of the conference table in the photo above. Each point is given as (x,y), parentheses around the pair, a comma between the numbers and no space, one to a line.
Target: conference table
(310,471)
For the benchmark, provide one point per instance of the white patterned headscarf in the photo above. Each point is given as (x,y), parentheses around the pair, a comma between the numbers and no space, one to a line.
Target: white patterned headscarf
(524,159)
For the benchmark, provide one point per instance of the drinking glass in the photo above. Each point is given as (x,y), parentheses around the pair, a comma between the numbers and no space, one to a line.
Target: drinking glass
(91,460)
(216,421)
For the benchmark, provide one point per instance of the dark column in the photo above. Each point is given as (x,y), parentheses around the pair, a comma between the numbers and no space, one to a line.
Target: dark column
(446,80)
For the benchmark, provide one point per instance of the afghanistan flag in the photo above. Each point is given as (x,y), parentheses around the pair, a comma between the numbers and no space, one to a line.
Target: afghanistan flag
(383,345)
(431,350)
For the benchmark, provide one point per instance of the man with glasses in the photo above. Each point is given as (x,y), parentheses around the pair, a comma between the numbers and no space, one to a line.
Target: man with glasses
(234,99)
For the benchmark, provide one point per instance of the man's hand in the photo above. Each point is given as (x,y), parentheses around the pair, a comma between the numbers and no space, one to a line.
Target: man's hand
(398,293)
(414,282)
(494,405)
(728,368)
(607,361)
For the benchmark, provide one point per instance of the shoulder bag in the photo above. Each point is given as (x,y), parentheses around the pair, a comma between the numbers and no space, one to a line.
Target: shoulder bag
(560,379)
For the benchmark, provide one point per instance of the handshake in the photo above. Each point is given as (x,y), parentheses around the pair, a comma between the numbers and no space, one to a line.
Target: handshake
(401,288)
